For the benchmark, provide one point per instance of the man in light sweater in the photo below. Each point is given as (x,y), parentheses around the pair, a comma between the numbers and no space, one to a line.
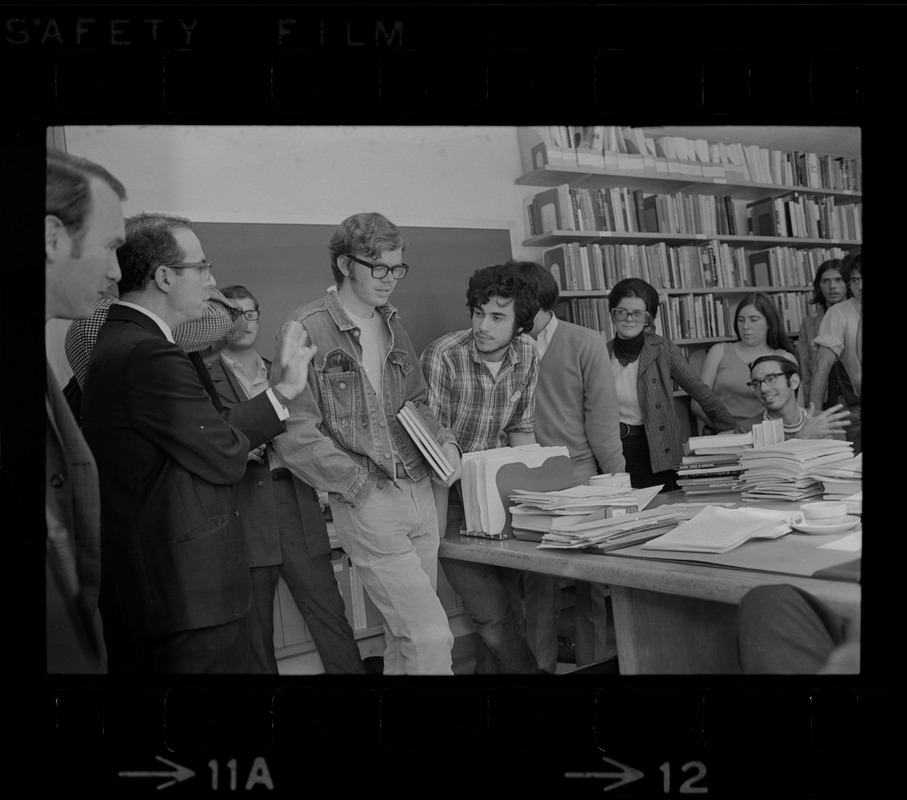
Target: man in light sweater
(575,406)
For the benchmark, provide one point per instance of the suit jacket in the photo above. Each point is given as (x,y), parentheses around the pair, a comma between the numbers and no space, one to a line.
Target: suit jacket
(73,510)
(255,493)
(167,461)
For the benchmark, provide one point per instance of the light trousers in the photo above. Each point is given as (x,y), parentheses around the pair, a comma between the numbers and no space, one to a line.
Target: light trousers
(392,538)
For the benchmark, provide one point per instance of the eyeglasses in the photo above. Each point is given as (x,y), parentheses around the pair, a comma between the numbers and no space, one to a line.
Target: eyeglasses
(250,315)
(204,267)
(381,270)
(768,381)
(620,314)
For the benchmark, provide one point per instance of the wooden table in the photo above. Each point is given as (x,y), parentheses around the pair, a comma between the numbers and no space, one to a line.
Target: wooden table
(669,618)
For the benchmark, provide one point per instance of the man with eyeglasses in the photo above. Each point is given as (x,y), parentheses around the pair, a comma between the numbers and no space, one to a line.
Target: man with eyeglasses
(282,520)
(175,589)
(774,381)
(343,437)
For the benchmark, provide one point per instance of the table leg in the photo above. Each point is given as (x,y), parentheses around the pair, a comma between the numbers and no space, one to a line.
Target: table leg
(669,634)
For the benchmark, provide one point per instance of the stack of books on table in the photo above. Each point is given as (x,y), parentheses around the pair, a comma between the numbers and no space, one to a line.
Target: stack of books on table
(784,471)
(711,464)
(535,513)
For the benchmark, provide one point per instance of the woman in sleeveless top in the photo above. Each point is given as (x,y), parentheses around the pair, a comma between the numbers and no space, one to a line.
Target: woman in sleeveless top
(760,332)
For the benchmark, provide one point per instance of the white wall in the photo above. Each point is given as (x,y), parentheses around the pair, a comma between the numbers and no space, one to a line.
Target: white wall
(419,175)
(426,175)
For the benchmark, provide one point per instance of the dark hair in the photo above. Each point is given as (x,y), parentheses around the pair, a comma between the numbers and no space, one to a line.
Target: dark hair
(818,298)
(788,367)
(149,244)
(363,234)
(505,281)
(634,287)
(68,191)
(236,291)
(776,338)
(850,262)
(540,281)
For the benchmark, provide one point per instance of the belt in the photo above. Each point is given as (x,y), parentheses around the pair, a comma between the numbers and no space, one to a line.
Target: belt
(631,430)
(281,474)
(400,470)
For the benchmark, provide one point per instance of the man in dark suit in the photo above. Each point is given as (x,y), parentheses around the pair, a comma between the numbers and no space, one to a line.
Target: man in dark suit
(176,586)
(83,226)
(283,523)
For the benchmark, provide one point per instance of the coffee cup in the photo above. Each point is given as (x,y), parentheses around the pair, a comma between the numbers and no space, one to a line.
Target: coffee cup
(823,510)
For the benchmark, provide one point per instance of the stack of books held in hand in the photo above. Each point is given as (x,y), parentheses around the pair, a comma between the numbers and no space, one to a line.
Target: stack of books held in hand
(414,424)
(711,464)
(784,471)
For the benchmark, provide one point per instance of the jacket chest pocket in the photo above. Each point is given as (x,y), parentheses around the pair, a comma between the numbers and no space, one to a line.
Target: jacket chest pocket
(400,365)
(338,379)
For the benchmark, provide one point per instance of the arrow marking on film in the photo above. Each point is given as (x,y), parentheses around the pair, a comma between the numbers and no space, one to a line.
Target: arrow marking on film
(179,773)
(626,774)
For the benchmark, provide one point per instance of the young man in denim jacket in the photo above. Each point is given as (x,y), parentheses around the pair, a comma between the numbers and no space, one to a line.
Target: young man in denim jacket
(344,438)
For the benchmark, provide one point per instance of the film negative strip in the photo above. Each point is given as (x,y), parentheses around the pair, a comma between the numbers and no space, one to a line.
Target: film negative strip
(593,732)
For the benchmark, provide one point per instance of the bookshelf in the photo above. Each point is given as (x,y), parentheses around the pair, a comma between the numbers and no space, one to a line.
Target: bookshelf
(703,221)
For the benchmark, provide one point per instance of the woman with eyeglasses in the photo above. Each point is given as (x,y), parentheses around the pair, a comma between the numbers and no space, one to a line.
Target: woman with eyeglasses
(646,367)
(829,288)
(760,332)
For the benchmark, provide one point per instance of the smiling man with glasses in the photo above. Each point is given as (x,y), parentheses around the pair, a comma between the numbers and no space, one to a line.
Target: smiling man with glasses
(775,382)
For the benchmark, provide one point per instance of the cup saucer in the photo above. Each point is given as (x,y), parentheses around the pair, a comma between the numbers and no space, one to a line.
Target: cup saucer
(827,526)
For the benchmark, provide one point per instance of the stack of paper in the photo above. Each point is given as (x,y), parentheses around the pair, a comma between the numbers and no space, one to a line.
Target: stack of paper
(717,530)
(419,432)
(490,477)
(840,479)
(540,512)
(783,471)
(602,535)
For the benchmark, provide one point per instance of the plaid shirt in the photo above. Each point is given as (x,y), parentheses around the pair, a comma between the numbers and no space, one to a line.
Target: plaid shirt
(223,323)
(481,408)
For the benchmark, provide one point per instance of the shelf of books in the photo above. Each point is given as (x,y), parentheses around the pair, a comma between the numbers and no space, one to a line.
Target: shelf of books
(702,221)
(606,156)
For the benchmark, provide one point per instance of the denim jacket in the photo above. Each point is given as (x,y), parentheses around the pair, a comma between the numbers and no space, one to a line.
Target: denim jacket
(335,439)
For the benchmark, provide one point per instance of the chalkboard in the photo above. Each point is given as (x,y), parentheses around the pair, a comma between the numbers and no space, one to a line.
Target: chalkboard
(287,265)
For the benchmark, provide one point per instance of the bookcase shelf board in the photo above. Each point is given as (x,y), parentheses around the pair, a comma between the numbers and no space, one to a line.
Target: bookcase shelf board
(581,177)
(551,238)
(566,295)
